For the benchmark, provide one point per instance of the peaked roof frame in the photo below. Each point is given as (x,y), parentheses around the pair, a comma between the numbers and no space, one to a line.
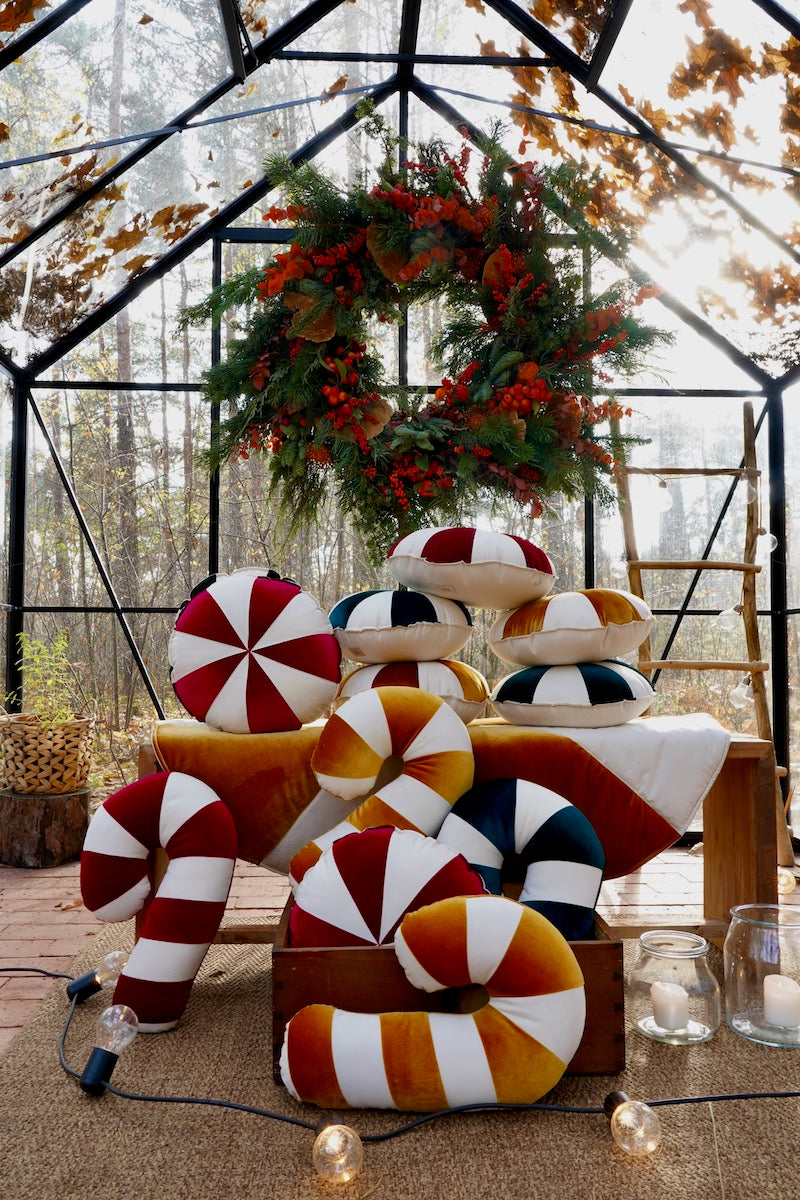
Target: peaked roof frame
(403,83)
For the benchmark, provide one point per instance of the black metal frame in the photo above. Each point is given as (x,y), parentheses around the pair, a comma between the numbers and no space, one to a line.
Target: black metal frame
(403,83)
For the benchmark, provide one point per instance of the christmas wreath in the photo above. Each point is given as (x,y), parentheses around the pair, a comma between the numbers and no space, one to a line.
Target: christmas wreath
(514,414)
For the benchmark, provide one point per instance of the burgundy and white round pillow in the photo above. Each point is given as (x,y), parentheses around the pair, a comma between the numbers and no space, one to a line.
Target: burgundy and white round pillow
(252,653)
(459,685)
(476,566)
(358,892)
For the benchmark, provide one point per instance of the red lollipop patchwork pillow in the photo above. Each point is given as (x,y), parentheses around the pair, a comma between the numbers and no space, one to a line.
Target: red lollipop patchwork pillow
(251,653)
(572,627)
(462,687)
(476,566)
(358,892)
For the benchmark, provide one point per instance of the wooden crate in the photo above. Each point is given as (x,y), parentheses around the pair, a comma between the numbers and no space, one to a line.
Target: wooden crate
(370,979)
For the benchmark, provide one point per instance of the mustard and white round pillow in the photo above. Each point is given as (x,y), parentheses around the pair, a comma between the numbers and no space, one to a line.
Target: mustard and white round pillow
(578,696)
(572,627)
(477,566)
(396,626)
(462,687)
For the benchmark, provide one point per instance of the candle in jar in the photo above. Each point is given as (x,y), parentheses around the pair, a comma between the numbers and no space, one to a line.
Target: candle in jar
(781,1001)
(670,1004)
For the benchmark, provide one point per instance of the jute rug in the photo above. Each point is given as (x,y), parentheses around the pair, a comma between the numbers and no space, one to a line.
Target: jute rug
(57,1143)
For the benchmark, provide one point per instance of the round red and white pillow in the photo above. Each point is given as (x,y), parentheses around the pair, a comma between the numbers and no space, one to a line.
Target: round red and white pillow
(461,686)
(358,892)
(252,653)
(476,566)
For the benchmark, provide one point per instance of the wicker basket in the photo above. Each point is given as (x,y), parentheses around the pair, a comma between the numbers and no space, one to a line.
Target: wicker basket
(50,760)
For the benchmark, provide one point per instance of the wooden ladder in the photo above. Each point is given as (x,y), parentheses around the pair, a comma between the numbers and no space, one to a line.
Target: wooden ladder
(755,667)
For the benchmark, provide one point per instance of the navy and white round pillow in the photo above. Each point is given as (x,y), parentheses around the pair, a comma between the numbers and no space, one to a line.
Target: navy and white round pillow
(503,822)
(399,626)
(579,695)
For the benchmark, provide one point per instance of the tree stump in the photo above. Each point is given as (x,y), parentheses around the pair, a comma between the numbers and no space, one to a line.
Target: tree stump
(39,830)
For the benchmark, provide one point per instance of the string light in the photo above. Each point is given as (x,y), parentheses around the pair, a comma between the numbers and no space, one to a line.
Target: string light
(104,976)
(338,1153)
(786,881)
(766,544)
(663,501)
(117,1027)
(635,1128)
(742,695)
(729,618)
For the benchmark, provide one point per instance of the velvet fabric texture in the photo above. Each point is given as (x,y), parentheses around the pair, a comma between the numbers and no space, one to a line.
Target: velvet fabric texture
(253,654)
(364,884)
(572,627)
(396,626)
(513,1049)
(478,567)
(508,822)
(184,817)
(639,784)
(402,724)
(583,695)
(460,686)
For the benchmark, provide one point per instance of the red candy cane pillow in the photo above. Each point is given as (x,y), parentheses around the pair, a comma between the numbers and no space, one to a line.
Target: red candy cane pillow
(251,653)
(476,566)
(358,892)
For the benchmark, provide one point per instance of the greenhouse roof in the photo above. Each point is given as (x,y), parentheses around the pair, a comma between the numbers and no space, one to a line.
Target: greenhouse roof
(133,130)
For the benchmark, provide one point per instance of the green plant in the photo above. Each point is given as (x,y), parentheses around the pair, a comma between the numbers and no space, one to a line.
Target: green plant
(50,690)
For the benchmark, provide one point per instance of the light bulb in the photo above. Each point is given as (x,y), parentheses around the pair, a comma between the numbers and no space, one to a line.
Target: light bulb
(766,543)
(619,568)
(338,1153)
(117,1026)
(742,695)
(786,881)
(663,501)
(635,1128)
(729,618)
(104,976)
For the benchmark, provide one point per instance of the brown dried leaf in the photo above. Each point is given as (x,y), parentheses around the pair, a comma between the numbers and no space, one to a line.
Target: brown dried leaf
(124,239)
(337,86)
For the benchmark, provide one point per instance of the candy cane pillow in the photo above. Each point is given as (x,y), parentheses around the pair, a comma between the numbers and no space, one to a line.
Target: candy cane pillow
(387,626)
(582,696)
(251,653)
(460,686)
(572,627)
(476,566)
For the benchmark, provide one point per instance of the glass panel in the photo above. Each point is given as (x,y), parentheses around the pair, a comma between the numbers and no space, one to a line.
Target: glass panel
(132,456)
(69,274)
(360,26)
(19,19)
(154,348)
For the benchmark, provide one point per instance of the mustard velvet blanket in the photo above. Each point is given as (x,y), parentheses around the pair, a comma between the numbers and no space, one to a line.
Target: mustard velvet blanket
(639,784)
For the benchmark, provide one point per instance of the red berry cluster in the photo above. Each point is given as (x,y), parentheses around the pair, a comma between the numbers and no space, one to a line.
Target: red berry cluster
(347,408)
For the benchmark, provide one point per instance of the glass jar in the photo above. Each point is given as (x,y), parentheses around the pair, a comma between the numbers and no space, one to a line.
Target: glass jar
(762,974)
(673,995)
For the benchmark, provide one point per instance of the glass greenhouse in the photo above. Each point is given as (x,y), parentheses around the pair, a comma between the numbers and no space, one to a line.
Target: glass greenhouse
(139,143)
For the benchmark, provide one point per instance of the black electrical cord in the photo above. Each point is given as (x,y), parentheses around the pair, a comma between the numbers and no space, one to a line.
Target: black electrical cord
(407,1127)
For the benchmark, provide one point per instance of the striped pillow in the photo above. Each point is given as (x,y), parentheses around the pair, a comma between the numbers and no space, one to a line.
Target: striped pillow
(478,567)
(402,626)
(572,627)
(580,696)
(252,653)
(460,686)
(358,892)
(504,823)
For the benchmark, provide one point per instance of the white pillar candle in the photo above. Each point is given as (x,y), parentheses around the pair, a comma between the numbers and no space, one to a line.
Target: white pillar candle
(670,1004)
(781,1001)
